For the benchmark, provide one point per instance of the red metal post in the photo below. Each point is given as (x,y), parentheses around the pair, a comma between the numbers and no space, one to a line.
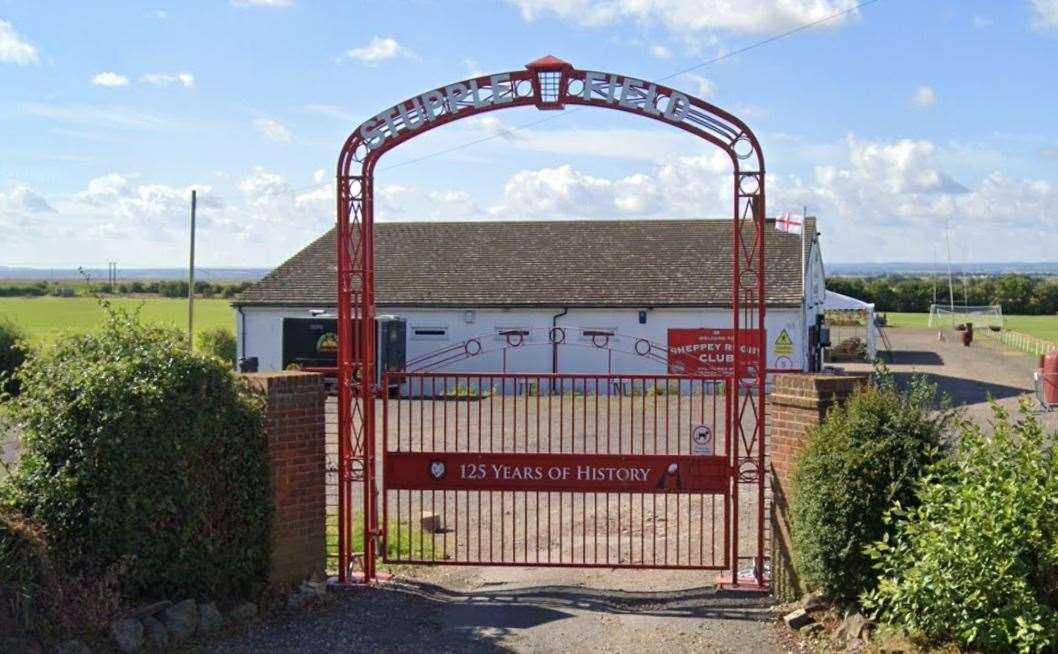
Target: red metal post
(367,374)
(762,365)
(734,410)
(342,238)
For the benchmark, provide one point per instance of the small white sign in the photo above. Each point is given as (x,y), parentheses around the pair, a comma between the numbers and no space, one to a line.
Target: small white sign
(702,441)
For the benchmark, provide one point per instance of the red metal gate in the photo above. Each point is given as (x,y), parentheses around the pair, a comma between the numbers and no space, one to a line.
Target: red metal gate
(556,470)
(548,83)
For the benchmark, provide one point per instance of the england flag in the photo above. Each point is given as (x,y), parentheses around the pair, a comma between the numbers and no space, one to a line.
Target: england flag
(791,224)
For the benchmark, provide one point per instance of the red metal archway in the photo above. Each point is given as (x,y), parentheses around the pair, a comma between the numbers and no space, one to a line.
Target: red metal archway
(548,84)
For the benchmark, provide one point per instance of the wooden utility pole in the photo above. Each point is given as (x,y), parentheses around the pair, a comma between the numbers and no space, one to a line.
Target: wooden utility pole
(191,279)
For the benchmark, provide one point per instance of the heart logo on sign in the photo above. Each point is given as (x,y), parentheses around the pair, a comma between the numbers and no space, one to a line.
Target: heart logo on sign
(437,469)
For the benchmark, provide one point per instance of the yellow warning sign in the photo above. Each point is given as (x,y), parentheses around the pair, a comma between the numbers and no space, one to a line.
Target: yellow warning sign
(783,344)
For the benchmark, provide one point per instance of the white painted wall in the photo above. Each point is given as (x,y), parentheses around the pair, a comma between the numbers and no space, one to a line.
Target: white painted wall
(264,338)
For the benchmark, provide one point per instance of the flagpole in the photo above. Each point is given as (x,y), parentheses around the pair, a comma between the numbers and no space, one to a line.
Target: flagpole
(804,228)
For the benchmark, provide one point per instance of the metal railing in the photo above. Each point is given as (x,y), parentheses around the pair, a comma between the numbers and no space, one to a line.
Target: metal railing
(1023,342)
(476,474)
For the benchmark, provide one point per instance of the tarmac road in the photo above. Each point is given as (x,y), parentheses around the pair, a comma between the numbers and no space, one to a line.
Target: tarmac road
(970,376)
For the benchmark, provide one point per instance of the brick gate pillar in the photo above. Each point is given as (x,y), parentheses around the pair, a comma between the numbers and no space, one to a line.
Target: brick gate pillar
(296,446)
(796,404)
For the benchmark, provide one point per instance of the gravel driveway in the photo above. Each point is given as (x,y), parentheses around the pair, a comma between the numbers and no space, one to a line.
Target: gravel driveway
(522,610)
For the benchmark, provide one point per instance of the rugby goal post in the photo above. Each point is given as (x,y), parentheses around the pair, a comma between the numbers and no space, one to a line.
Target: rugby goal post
(944,315)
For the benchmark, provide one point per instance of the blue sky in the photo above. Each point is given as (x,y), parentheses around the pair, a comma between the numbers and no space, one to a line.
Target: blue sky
(888,122)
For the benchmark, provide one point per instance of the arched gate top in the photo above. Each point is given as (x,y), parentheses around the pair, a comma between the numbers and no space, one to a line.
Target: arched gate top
(549,83)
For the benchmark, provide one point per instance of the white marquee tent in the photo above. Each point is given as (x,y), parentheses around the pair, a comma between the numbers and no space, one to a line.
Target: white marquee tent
(836,302)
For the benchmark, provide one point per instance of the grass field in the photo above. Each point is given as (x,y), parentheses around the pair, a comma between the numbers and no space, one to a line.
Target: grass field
(1043,327)
(44,318)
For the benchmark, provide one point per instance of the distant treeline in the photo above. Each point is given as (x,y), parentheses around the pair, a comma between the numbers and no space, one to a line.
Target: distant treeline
(163,288)
(1017,294)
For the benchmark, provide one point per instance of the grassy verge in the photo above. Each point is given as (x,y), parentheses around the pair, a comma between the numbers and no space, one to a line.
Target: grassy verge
(1043,327)
(44,318)
(398,544)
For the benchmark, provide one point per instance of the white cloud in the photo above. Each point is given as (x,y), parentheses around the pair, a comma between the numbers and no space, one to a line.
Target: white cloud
(703,87)
(317,176)
(452,203)
(885,200)
(273,130)
(688,186)
(661,51)
(160,14)
(23,200)
(165,79)
(13,48)
(271,199)
(895,196)
(320,197)
(473,68)
(332,111)
(109,79)
(114,196)
(392,198)
(622,143)
(900,167)
(97,116)
(982,22)
(1045,16)
(494,127)
(924,97)
(450,196)
(262,183)
(379,49)
(262,3)
(690,16)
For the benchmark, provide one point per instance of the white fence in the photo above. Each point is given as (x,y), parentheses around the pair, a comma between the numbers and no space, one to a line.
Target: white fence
(1023,342)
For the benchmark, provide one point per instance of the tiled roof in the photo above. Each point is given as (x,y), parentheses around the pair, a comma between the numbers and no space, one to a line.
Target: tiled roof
(640,263)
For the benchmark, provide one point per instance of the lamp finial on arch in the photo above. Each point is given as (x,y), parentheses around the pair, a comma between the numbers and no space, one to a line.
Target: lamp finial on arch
(550,79)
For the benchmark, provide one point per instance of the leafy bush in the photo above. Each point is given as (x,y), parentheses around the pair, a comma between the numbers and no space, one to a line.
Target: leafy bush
(38,595)
(12,354)
(866,455)
(136,449)
(21,574)
(219,341)
(977,560)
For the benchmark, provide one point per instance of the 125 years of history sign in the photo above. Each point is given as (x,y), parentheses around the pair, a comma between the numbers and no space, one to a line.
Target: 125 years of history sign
(556,472)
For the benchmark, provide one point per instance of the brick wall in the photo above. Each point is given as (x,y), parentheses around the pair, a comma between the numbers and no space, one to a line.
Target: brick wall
(796,404)
(296,444)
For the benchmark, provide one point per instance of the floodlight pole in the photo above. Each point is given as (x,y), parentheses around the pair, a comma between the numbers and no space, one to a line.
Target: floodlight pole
(191,278)
(951,291)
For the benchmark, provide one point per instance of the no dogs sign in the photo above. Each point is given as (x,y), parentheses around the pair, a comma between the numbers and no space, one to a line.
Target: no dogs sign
(702,442)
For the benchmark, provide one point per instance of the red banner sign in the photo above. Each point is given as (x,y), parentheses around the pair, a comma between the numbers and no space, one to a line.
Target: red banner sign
(711,352)
(556,472)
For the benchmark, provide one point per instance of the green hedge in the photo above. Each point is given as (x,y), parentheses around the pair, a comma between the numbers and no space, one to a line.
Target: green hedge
(866,455)
(140,452)
(12,354)
(219,342)
(976,561)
